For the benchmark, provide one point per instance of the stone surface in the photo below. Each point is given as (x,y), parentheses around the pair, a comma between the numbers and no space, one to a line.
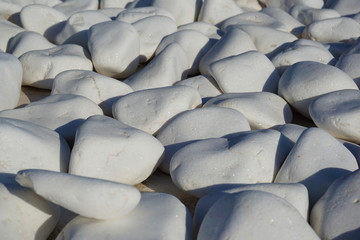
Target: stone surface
(344,7)
(237,216)
(69,7)
(316,160)
(150,109)
(348,62)
(8,30)
(131,15)
(287,4)
(89,197)
(207,29)
(157,216)
(215,12)
(307,15)
(262,109)
(291,131)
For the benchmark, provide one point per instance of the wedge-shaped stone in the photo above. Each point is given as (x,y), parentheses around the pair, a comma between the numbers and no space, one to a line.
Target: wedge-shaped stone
(215,12)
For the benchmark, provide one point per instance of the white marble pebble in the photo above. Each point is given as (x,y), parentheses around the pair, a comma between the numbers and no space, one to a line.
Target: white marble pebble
(120,58)
(157,216)
(185,11)
(287,4)
(108,149)
(27,41)
(348,62)
(333,30)
(77,25)
(251,71)
(291,131)
(207,29)
(61,112)
(262,109)
(303,82)
(206,86)
(215,12)
(213,164)
(151,31)
(252,5)
(69,7)
(160,72)
(337,113)
(49,62)
(194,43)
(345,8)
(234,42)
(196,124)
(296,194)
(42,19)
(342,199)
(113,3)
(89,197)
(40,147)
(316,160)
(10,81)
(24,214)
(254,215)
(7,9)
(150,109)
(100,89)
(307,15)
(131,15)
(8,30)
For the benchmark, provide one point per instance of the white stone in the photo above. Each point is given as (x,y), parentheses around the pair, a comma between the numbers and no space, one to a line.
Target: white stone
(114,3)
(287,4)
(111,58)
(338,114)
(41,66)
(89,197)
(303,82)
(207,29)
(134,14)
(61,112)
(201,123)
(166,68)
(333,30)
(7,9)
(194,43)
(151,31)
(254,215)
(307,15)
(247,72)
(77,27)
(27,41)
(8,30)
(111,12)
(294,193)
(108,149)
(348,62)
(27,145)
(333,216)
(215,12)
(212,164)
(249,4)
(262,109)
(316,160)
(10,81)
(234,42)
(150,109)
(69,7)
(100,89)
(291,131)
(344,7)
(24,214)
(157,216)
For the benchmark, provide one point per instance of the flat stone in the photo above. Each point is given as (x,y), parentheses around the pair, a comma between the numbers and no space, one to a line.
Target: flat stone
(102,90)
(131,15)
(307,15)
(240,219)
(49,62)
(303,82)
(207,29)
(262,109)
(69,7)
(316,160)
(118,59)
(333,216)
(8,30)
(108,149)
(89,197)
(247,72)
(241,158)
(348,62)
(205,123)
(150,109)
(157,216)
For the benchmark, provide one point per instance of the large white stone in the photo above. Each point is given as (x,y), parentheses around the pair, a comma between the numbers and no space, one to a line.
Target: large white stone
(307,15)
(41,66)
(150,109)
(157,216)
(69,7)
(262,109)
(108,149)
(254,215)
(131,15)
(100,89)
(303,82)
(215,12)
(316,160)
(10,81)
(213,164)
(89,197)
(61,112)
(207,29)
(8,30)
(163,70)
(348,62)
(247,72)
(196,124)
(334,215)
(111,58)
